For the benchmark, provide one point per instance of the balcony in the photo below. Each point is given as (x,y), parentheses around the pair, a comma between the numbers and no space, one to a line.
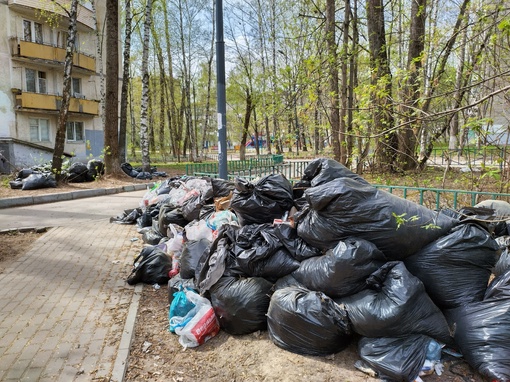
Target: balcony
(33,7)
(51,54)
(49,102)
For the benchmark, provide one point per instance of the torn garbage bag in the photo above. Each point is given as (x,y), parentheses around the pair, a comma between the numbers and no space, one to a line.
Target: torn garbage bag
(342,271)
(482,330)
(395,304)
(345,207)
(151,266)
(262,201)
(241,303)
(307,322)
(396,359)
(456,268)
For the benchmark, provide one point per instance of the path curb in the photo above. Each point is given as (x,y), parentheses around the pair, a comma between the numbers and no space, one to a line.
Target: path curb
(57,197)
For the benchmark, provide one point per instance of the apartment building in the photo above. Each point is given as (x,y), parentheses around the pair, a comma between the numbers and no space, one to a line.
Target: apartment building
(32,53)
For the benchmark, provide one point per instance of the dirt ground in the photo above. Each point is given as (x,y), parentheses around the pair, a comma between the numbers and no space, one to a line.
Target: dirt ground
(156,354)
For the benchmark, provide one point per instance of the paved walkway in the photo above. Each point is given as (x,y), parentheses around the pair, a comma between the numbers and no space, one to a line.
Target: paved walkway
(66,313)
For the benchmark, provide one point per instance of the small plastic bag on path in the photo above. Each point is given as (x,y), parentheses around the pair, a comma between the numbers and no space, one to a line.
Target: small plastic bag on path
(198,324)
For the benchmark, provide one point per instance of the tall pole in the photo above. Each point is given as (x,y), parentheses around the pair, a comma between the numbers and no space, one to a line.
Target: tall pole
(220,92)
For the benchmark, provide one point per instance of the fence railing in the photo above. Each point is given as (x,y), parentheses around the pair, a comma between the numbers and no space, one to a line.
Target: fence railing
(434,198)
(489,156)
(442,198)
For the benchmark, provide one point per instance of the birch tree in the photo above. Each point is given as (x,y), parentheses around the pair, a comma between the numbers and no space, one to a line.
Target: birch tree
(144,128)
(58,152)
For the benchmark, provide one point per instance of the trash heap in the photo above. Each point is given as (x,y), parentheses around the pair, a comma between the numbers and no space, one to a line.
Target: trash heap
(41,176)
(326,261)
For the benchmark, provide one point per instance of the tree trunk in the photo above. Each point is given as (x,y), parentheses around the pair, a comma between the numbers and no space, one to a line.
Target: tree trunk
(382,118)
(125,84)
(144,136)
(408,135)
(111,128)
(58,152)
(334,112)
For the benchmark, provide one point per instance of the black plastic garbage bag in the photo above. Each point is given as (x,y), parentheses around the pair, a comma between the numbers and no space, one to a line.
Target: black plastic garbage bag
(152,236)
(241,304)
(214,263)
(151,266)
(307,322)
(191,253)
(503,263)
(345,208)
(323,170)
(258,252)
(287,281)
(222,187)
(262,201)
(95,168)
(170,214)
(395,359)
(342,271)
(297,247)
(394,305)
(143,175)
(129,216)
(37,181)
(482,331)
(24,173)
(191,208)
(16,184)
(129,170)
(456,268)
(78,173)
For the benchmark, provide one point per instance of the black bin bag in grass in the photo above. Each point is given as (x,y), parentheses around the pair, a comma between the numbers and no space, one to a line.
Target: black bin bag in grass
(191,253)
(395,359)
(456,268)
(241,304)
(37,181)
(307,322)
(262,201)
(395,304)
(323,170)
(151,266)
(345,207)
(343,270)
(482,330)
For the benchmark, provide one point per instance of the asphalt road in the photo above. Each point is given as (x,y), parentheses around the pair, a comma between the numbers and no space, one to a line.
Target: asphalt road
(69,212)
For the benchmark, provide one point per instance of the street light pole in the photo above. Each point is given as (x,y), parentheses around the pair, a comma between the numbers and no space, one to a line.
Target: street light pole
(220,93)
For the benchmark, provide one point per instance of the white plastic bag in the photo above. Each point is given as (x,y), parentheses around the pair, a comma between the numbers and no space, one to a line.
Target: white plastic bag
(198,230)
(198,325)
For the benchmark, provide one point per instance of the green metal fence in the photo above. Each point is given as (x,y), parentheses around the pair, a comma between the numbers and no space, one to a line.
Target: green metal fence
(442,198)
(434,198)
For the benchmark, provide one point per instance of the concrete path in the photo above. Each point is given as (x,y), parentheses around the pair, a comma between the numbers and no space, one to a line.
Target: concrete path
(66,312)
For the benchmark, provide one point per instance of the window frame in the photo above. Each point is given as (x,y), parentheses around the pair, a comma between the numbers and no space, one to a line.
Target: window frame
(40,83)
(40,134)
(74,125)
(33,31)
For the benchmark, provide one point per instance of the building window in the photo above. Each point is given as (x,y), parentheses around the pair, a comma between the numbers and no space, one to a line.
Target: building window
(76,87)
(32,31)
(74,131)
(39,130)
(36,81)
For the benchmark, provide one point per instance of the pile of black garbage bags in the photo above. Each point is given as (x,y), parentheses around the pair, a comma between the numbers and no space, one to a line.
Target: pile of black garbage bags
(331,260)
(37,177)
(138,173)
